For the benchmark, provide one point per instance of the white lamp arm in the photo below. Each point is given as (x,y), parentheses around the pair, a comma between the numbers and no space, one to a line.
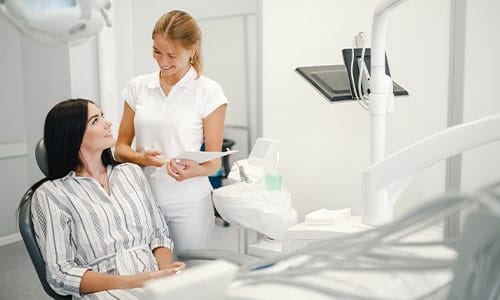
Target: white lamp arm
(378,86)
(426,152)
(378,102)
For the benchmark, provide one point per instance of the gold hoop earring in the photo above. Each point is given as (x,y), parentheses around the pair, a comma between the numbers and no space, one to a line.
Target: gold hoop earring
(191,61)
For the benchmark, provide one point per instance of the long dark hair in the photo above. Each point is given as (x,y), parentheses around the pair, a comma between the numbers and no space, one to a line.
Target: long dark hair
(63,132)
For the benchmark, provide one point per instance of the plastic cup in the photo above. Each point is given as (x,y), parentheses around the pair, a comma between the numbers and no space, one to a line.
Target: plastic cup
(273,182)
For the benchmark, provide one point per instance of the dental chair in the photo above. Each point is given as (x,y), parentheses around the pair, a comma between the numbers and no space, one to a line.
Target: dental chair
(28,233)
(192,257)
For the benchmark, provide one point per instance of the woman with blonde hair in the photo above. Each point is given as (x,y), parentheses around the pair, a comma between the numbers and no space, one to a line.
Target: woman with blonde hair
(169,111)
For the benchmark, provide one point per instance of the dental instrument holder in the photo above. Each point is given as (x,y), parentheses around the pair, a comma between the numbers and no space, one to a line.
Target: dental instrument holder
(241,170)
(243,175)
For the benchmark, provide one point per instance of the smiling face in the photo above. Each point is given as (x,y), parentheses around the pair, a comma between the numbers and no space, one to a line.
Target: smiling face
(172,58)
(98,135)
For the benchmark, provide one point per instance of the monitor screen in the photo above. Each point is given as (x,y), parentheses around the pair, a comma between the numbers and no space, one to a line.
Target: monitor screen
(334,81)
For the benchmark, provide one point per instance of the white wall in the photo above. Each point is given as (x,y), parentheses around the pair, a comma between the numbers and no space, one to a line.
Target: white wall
(46,81)
(124,50)
(146,13)
(33,78)
(482,76)
(325,146)
(84,76)
(13,166)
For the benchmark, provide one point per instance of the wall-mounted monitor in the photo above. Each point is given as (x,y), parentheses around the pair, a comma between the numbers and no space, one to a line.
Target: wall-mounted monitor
(334,81)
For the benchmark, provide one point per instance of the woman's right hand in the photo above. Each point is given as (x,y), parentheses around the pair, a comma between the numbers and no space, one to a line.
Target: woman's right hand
(138,280)
(151,158)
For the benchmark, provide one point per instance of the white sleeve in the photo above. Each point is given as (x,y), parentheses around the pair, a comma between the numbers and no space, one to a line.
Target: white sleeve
(53,233)
(215,97)
(129,94)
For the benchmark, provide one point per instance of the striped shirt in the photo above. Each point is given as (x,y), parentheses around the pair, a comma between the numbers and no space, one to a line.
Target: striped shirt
(79,226)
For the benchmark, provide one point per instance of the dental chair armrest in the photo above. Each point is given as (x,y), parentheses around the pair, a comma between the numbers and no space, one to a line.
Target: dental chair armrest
(213,254)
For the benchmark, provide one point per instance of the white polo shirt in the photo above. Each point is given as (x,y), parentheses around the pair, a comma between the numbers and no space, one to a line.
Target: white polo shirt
(172,124)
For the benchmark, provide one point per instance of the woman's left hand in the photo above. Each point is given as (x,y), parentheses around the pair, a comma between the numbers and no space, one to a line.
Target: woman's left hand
(177,267)
(181,169)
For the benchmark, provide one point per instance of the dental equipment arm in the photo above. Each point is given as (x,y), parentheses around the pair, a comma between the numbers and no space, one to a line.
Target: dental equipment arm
(379,201)
(386,178)
(390,175)
(378,96)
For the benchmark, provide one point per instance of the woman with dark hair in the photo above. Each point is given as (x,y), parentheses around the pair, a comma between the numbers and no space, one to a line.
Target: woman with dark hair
(97,224)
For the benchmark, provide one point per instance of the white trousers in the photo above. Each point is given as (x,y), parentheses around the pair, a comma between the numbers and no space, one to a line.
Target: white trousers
(187,208)
(190,224)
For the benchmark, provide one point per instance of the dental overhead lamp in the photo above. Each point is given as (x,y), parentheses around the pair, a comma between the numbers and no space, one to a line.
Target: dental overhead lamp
(57,22)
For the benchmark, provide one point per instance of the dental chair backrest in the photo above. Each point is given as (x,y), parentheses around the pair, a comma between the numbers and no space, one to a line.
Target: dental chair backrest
(27,231)
(41,157)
